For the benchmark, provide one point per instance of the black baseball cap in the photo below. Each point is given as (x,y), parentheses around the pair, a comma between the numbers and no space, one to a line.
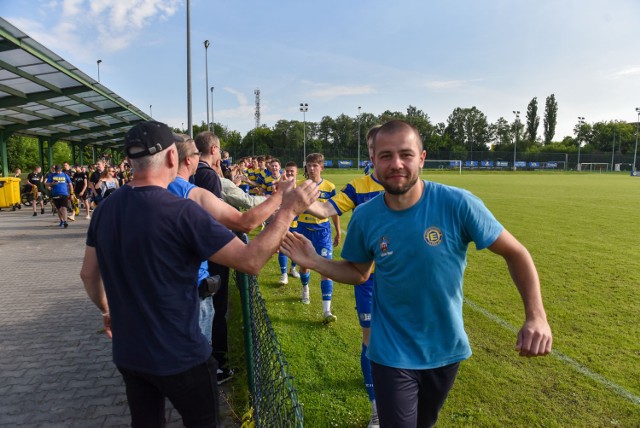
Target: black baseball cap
(148,138)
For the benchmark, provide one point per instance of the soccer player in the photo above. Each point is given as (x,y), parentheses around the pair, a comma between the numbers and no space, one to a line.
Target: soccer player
(417,233)
(59,184)
(290,172)
(318,230)
(357,192)
(274,175)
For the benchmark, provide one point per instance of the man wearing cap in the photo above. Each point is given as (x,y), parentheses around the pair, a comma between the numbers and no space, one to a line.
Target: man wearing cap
(59,184)
(149,301)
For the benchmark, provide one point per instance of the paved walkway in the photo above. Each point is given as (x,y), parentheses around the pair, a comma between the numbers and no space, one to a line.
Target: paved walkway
(55,361)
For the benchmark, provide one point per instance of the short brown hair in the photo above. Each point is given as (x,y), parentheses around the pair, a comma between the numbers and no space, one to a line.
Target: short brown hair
(315,158)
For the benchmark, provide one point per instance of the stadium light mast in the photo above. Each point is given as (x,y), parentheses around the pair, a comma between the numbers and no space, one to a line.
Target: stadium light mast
(206,78)
(580,125)
(213,123)
(358,166)
(515,138)
(304,107)
(635,151)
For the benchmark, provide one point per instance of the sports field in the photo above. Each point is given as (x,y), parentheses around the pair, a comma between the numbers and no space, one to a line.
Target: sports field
(582,231)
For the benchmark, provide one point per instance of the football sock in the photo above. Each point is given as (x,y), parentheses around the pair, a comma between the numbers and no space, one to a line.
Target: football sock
(326,305)
(304,278)
(326,285)
(365,365)
(283,260)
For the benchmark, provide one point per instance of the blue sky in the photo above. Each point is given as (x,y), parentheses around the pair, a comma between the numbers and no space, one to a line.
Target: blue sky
(337,55)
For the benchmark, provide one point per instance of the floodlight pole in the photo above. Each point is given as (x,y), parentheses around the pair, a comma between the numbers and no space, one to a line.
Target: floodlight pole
(206,74)
(213,123)
(150,111)
(581,123)
(359,108)
(304,107)
(189,106)
(98,62)
(635,151)
(515,138)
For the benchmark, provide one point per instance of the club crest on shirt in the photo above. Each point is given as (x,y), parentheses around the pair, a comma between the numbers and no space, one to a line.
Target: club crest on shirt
(433,236)
(384,247)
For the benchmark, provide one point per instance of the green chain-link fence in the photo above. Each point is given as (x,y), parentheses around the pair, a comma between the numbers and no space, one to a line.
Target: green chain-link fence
(273,396)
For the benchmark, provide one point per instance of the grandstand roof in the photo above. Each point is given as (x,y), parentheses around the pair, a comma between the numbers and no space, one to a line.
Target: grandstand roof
(42,95)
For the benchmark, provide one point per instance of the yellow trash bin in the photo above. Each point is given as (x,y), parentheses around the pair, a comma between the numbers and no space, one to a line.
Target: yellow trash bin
(9,192)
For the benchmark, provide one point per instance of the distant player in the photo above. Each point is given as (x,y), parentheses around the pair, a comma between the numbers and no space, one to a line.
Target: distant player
(318,231)
(357,192)
(290,172)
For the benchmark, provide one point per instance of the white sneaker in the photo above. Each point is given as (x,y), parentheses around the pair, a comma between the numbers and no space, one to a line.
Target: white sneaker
(374,422)
(284,279)
(88,217)
(329,317)
(305,298)
(294,273)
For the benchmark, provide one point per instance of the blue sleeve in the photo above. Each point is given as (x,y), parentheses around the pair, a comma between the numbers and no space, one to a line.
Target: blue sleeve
(480,226)
(355,248)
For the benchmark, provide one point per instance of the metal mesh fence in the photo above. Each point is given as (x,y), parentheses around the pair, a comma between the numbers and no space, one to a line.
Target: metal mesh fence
(273,396)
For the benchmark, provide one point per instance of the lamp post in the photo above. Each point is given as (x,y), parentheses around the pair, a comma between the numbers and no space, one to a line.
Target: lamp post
(359,108)
(206,74)
(515,138)
(635,151)
(150,111)
(580,124)
(213,122)
(98,62)
(304,107)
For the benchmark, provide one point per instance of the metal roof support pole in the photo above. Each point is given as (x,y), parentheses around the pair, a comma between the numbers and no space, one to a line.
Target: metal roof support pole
(3,152)
(81,160)
(94,151)
(73,153)
(41,152)
(50,152)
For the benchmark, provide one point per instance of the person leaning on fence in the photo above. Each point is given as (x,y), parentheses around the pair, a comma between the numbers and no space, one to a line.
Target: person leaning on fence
(143,248)
(417,233)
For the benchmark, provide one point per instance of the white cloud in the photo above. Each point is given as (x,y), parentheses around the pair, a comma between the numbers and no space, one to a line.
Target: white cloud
(448,84)
(632,71)
(328,91)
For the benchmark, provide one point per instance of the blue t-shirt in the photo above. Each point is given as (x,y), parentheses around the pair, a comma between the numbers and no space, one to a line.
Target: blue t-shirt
(182,188)
(420,257)
(150,243)
(61,184)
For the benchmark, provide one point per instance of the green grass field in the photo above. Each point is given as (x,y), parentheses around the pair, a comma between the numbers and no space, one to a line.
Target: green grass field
(582,231)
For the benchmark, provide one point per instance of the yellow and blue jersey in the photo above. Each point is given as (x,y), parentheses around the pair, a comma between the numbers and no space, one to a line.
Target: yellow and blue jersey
(327,191)
(269,182)
(355,193)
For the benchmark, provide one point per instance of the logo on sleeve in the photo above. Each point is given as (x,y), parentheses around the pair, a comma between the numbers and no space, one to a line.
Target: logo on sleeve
(433,236)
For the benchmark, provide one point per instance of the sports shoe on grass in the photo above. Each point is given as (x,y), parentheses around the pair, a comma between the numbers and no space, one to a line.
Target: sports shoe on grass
(294,273)
(374,422)
(305,298)
(284,279)
(329,317)
(224,375)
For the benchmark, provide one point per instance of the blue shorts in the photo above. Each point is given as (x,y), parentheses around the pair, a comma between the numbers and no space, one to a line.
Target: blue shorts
(364,299)
(321,240)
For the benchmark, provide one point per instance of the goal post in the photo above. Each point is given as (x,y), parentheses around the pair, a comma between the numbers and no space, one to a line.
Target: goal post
(594,166)
(443,165)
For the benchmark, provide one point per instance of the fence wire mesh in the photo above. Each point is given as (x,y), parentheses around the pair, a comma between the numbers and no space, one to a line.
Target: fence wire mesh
(273,395)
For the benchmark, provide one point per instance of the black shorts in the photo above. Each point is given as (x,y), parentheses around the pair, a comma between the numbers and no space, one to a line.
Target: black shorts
(60,201)
(411,398)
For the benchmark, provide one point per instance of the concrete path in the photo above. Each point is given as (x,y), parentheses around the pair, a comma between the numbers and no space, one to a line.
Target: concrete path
(55,361)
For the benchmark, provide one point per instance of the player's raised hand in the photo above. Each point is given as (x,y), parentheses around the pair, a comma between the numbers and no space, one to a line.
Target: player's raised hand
(301,197)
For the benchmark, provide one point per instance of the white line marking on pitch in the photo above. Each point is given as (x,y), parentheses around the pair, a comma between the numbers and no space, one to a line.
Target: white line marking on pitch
(559,355)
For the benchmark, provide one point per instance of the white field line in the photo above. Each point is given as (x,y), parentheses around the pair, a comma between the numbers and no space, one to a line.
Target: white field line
(559,355)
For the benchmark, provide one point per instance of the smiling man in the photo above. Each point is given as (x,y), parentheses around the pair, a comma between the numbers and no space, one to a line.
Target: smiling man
(417,233)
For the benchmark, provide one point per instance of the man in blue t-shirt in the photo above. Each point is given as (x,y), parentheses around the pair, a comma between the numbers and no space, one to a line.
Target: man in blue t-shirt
(417,233)
(59,184)
(143,250)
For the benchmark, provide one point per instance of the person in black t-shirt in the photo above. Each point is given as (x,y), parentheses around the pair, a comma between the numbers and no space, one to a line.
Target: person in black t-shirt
(81,187)
(149,302)
(34,183)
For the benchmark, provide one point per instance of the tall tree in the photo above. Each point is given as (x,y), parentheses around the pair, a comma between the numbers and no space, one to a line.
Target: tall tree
(468,129)
(550,118)
(533,120)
